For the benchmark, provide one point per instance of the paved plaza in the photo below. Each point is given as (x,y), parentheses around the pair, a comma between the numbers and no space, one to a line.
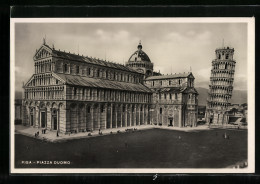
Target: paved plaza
(144,148)
(52,135)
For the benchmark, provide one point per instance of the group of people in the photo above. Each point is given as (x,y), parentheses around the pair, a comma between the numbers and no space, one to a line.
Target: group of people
(37,134)
(130,130)
(44,131)
(100,132)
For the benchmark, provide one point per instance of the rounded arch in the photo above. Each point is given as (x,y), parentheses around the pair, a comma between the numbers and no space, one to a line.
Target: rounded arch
(31,104)
(48,104)
(25,103)
(54,105)
(37,103)
(42,105)
(73,106)
(81,106)
(61,106)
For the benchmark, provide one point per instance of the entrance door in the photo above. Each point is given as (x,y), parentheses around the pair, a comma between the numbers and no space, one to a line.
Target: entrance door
(54,123)
(171,122)
(43,119)
(31,120)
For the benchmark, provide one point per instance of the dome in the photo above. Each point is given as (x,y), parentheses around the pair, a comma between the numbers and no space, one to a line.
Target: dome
(139,55)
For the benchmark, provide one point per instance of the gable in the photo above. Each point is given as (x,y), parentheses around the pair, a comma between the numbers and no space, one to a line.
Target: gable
(44,80)
(190,90)
(43,52)
(191,76)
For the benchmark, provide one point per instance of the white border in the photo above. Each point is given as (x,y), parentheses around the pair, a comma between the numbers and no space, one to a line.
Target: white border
(251,90)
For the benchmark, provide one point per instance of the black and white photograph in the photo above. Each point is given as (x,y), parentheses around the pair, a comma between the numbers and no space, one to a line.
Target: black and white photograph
(132,95)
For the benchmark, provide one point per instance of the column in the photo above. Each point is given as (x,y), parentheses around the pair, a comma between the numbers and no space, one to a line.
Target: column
(92,116)
(58,120)
(77,118)
(121,114)
(130,115)
(111,116)
(126,108)
(143,114)
(149,117)
(48,118)
(98,116)
(36,116)
(139,115)
(180,115)
(157,115)
(146,117)
(135,115)
(116,114)
(105,117)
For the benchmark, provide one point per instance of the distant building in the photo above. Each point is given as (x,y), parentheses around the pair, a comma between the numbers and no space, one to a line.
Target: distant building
(201,113)
(221,86)
(237,114)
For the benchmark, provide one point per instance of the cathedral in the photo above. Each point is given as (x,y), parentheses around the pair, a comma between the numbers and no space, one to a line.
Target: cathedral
(73,93)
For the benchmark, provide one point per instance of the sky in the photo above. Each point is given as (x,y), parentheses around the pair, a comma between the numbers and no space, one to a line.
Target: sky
(172,47)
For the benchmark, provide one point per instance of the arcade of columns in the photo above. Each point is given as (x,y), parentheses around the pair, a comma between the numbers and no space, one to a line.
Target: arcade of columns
(94,116)
(88,116)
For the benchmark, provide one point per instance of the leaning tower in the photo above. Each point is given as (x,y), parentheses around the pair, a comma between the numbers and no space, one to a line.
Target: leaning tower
(221,86)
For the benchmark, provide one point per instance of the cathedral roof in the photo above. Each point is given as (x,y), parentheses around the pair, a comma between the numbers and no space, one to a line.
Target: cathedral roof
(101,83)
(91,60)
(177,90)
(190,90)
(139,55)
(81,58)
(180,75)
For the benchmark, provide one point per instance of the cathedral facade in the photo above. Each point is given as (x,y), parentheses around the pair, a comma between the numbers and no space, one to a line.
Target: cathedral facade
(74,93)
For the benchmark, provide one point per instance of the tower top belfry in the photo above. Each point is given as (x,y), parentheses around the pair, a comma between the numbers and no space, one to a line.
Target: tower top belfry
(225,53)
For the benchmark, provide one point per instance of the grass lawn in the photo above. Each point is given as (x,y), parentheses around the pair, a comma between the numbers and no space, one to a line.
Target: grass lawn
(154,148)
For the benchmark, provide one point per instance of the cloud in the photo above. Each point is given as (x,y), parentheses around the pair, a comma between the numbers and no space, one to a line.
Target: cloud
(240,82)
(100,32)
(191,33)
(171,47)
(190,38)
(108,36)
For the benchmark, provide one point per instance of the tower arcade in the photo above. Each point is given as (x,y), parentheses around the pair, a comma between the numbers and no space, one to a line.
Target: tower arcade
(221,86)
